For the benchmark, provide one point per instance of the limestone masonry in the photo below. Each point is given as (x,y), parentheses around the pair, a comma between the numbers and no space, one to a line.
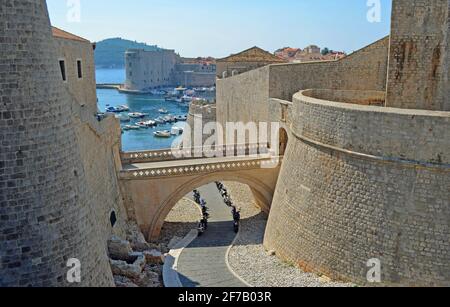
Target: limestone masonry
(146,70)
(364,171)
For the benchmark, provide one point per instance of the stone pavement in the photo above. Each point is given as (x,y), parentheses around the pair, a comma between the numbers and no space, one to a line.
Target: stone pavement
(203,262)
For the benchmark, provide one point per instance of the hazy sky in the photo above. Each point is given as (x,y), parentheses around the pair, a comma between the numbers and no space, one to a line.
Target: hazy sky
(221,27)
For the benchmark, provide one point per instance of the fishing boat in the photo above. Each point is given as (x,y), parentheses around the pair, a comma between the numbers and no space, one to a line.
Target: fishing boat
(123,108)
(181,118)
(186,98)
(150,123)
(136,115)
(142,125)
(131,127)
(160,121)
(162,134)
(169,119)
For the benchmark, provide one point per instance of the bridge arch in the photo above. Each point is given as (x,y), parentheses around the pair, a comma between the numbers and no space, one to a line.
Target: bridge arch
(262,193)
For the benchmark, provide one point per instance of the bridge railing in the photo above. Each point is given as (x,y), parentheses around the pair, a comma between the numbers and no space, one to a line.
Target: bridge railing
(193,153)
(189,170)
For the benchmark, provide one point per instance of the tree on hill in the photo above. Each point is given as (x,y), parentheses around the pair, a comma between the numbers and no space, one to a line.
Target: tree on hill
(110,53)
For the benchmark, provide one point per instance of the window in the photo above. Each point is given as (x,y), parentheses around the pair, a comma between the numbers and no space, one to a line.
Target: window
(62,66)
(79,69)
(113,218)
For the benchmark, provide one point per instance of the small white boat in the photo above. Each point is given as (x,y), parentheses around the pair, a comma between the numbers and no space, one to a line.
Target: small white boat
(169,119)
(186,98)
(176,131)
(162,134)
(150,123)
(123,108)
(142,125)
(163,111)
(160,121)
(136,115)
(131,127)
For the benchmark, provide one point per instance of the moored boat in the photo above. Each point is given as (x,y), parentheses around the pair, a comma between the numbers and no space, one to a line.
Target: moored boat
(136,115)
(162,134)
(176,131)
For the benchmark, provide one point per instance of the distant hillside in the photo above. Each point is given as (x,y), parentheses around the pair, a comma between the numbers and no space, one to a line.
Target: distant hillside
(110,53)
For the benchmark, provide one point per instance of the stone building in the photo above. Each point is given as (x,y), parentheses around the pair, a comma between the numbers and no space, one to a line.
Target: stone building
(76,62)
(244,61)
(146,70)
(366,172)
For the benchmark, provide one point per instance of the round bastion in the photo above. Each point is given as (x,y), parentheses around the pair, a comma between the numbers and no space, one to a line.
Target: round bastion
(362,183)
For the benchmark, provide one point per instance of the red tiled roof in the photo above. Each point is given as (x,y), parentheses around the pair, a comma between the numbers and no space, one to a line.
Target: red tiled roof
(66,35)
(254,54)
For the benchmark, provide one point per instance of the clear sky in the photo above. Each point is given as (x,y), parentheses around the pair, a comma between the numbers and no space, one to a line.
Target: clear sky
(221,27)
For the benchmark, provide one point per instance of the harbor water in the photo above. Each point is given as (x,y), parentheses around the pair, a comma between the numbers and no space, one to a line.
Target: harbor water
(142,139)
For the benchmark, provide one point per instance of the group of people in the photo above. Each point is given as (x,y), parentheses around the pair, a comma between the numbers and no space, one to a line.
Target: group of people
(203,225)
(227,199)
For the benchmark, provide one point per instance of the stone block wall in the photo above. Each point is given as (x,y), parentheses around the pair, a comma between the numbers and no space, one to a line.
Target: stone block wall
(419,65)
(200,114)
(45,212)
(82,89)
(245,97)
(364,188)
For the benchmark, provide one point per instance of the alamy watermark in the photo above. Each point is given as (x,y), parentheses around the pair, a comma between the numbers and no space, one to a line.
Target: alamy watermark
(374,12)
(74,272)
(233,139)
(73,11)
(374,273)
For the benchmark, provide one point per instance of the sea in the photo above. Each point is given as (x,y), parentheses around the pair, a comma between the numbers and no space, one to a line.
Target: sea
(143,139)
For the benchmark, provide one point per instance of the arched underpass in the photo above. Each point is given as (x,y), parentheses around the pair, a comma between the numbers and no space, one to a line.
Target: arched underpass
(153,188)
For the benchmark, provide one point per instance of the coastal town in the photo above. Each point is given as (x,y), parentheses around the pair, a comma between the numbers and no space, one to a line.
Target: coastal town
(125,164)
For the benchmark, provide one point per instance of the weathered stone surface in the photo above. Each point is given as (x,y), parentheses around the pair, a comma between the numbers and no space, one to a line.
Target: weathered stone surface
(119,249)
(132,270)
(154,257)
(124,282)
(136,238)
(150,278)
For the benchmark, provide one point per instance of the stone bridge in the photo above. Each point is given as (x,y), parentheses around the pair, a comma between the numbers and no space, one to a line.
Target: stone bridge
(153,182)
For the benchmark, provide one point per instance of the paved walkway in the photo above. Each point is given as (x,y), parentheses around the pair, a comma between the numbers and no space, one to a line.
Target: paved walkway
(203,262)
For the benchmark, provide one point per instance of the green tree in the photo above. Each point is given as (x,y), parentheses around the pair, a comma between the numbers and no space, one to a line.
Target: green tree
(325,51)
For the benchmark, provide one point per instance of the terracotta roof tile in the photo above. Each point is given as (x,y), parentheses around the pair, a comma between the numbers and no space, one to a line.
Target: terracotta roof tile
(66,35)
(254,54)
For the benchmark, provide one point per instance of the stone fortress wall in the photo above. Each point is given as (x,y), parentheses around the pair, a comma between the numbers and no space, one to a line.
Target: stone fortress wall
(245,97)
(370,181)
(163,68)
(80,88)
(48,213)
(419,65)
(149,69)
(200,114)
(365,188)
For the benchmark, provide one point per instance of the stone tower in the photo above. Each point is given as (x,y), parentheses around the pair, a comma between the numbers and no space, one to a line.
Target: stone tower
(45,216)
(419,61)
